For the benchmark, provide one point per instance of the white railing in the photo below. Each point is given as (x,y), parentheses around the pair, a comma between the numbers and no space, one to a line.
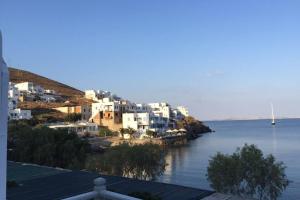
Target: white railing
(100,193)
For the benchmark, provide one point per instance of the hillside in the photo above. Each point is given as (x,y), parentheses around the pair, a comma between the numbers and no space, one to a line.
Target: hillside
(17,76)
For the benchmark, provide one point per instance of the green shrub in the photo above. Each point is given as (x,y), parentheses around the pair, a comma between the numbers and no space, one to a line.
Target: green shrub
(248,173)
(44,146)
(144,161)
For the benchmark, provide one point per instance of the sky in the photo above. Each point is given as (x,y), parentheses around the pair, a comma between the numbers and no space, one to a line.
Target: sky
(222,59)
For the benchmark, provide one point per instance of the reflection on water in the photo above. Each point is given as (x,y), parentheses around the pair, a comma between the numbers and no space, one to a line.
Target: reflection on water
(187,164)
(274,141)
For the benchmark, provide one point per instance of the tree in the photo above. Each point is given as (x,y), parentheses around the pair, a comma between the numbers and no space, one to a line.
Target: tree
(129,131)
(104,132)
(151,133)
(144,161)
(247,173)
(122,132)
(73,117)
(45,146)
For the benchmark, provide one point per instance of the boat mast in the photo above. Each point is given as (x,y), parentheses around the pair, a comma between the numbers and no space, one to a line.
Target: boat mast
(273,117)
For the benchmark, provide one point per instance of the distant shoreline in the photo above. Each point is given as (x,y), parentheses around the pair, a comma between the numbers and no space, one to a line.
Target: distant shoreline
(281,118)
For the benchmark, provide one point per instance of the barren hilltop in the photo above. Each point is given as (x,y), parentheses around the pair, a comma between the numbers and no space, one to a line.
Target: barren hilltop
(18,76)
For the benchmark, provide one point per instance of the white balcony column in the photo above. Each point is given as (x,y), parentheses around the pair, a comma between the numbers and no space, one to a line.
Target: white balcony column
(3,122)
(100,193)
(99,186)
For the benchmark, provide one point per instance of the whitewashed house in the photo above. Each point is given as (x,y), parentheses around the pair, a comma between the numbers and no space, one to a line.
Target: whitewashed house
(47,98)
(97,95)
(81,128)
(29,87)
(13,92)
(141,122)
(143,108)
(162,115)
(105,105)
(138,121)
(18,114)
(161,109)
(15,113)
(183,110)
(48,91)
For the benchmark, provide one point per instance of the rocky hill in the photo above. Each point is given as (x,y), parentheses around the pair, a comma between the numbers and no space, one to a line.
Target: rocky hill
(42,111)
(17,76)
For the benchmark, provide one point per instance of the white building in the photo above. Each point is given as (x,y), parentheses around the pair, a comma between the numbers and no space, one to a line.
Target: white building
(18,114)
(13,98)
(143,108)
(97,95)
(138,121)
(12,104)
(29,87)
(105,105)
(48,91)
(81,128)
(141,122)
(48,98)
(13,92)
(162,115)
(161,109)
(183,110)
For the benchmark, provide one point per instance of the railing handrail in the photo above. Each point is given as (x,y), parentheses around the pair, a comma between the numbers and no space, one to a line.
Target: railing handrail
(85,196)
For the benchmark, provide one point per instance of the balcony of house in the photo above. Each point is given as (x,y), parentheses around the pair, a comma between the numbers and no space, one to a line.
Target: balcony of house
(39,182)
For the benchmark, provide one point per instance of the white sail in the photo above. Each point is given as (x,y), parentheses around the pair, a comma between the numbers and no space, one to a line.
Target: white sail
(273,116)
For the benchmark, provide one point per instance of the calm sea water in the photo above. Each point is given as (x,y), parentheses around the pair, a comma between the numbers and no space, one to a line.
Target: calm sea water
(187,164)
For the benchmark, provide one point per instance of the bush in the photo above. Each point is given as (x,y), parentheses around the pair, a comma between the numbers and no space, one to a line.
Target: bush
(44,146)
(143,162)
(129,131)
(248,173)
(74,117)
(104,132)
(151,133)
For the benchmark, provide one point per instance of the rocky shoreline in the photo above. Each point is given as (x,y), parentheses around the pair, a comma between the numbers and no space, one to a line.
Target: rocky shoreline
(194,127)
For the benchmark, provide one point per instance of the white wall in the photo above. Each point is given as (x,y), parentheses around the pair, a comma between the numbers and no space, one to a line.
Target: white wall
(161,109)
(25,86)
(183,110)
(18,114)
(3,122)
(137,121)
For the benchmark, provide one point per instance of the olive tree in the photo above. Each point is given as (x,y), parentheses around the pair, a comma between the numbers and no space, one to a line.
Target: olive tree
(247,173)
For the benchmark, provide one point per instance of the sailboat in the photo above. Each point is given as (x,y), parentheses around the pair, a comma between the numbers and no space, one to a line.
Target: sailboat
(273,117)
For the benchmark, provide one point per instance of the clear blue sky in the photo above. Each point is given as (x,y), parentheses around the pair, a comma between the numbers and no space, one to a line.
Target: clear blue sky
(222,59)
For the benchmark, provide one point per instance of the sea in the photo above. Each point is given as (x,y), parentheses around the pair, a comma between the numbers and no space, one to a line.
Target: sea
(187,165)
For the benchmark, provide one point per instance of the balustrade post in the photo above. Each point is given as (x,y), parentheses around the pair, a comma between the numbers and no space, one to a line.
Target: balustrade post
(99,186)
